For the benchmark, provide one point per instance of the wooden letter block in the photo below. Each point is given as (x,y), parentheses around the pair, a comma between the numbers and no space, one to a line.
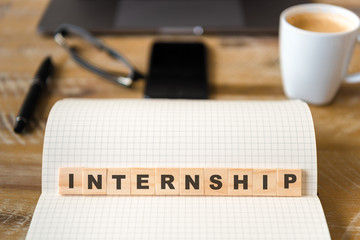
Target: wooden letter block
(289,182)
(264,182)
(118,181)
(191,181)
(142,181)
(94,181)
(216,181)
(240,181)
(167,181)
(70,181)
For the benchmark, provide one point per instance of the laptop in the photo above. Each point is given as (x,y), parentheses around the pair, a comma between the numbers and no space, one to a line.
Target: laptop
(166,16)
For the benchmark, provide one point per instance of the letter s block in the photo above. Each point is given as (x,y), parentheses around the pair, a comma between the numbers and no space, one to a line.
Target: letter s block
(94,181)
(216,181)
(70,181)
(289,182)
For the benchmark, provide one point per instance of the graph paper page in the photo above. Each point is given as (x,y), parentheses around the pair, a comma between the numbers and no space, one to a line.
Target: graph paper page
(178,133)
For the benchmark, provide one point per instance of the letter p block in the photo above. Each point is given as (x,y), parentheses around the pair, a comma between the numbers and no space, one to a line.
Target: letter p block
(289,182)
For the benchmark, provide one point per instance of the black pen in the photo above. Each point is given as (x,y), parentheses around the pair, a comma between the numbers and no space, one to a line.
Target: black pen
(38,85)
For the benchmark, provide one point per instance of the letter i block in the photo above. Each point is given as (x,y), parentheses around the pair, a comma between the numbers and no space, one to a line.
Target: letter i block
(94,181)
(289,182)
(142,181)
(118,181)
(240,181)
(167,181)
(264,182)
(192,181)
(216,181)
(70,181)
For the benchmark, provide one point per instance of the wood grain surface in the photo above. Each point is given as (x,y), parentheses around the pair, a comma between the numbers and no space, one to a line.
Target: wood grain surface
(240,67)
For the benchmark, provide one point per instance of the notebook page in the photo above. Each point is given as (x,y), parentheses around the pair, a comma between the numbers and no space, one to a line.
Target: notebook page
(108,217)
(178,133)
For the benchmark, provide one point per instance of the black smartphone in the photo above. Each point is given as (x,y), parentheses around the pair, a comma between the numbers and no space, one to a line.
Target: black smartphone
(177,70)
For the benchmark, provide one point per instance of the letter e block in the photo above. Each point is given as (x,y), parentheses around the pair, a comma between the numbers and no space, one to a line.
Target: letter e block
(240,181)
(167,181)
(118,181)
(94,181)
(142,181)
(264,182)
(70,181)
(289,182)
(191,181)
(216,181)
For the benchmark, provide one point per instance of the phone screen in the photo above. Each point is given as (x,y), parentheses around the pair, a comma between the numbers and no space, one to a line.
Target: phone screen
(177,70)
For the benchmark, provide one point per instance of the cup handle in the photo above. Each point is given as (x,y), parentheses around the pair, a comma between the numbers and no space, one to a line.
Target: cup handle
(353,78)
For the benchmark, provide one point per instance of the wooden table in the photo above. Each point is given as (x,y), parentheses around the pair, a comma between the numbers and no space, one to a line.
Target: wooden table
(240,67)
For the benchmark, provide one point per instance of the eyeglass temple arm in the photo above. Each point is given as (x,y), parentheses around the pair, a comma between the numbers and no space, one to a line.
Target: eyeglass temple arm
(65,29)
(125,81)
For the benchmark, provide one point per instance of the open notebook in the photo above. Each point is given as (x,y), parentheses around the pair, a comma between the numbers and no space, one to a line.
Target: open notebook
(179,133)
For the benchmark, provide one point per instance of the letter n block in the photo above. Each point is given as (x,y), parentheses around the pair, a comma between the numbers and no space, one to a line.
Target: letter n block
(94,181)
(118,181)
(264,182)
(167,181)
(240,181)
(70,181)
(289,182)
(142,181)
(191,181)
(216,181)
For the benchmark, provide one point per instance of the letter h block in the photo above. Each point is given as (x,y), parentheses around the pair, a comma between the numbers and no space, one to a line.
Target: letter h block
(240,181)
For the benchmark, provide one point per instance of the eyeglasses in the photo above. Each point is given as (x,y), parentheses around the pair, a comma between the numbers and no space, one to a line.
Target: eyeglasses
(78,47)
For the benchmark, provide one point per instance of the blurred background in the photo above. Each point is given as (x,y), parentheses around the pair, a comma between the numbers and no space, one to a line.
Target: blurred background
(243,64)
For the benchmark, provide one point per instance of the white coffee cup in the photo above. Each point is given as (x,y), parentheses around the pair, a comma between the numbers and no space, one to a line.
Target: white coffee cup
(314,64)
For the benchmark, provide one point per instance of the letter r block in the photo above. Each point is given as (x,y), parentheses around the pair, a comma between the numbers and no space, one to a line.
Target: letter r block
(142,181)
(94,181)
(167,181)
(70,181)
(289,182)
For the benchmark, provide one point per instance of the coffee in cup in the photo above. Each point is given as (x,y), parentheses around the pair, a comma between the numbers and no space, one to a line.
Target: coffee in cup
(320,22)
